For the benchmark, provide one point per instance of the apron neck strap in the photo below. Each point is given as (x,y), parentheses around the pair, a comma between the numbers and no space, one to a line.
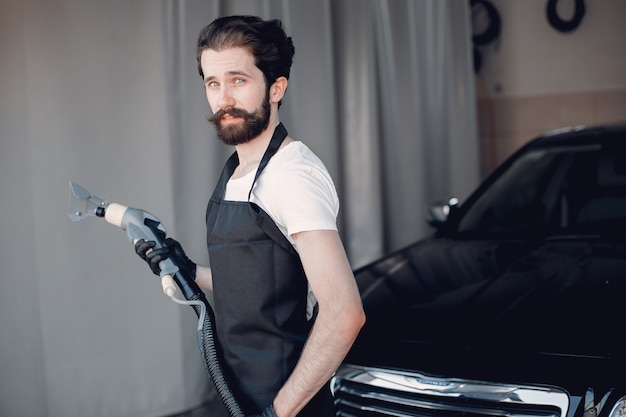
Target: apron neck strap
(277,139)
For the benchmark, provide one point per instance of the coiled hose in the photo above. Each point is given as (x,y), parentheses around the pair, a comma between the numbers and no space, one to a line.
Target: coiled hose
(208,349)
(195,298)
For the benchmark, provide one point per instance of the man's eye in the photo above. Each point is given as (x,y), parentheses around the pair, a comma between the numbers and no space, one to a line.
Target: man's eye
(239,81)
(212,84)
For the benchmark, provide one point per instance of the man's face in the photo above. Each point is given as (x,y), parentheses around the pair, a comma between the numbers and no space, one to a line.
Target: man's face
(237,94)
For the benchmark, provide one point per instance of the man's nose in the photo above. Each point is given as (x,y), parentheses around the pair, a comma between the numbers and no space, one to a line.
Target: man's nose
(225,98)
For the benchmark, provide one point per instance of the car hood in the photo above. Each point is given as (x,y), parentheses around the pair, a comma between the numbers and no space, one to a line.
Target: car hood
(490,300)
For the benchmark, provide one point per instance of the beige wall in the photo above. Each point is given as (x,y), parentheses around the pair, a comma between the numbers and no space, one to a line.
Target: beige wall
(506,123)
(535,79)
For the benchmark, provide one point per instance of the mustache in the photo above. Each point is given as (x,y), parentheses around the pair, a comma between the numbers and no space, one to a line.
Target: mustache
(231,111)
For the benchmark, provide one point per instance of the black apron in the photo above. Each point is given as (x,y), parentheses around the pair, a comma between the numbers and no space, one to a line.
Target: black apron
(260,295)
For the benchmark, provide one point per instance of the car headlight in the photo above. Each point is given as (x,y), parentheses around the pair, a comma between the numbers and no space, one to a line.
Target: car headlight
(619,409)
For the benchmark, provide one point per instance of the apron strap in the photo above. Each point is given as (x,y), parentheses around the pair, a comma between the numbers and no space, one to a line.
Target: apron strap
(277,139)
(227,172)
(263,220)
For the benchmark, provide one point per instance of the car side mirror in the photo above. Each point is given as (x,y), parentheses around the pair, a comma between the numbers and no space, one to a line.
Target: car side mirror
(438,212)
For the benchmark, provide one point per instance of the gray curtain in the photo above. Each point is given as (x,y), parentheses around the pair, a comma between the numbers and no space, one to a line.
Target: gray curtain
(107,94)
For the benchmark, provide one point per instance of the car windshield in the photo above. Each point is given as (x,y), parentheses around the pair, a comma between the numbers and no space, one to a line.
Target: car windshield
(557,191)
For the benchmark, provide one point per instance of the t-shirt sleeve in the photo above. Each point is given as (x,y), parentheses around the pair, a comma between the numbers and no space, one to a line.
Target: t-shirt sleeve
(304,198)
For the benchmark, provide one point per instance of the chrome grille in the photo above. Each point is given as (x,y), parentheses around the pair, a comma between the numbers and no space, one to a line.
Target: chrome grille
(371,392)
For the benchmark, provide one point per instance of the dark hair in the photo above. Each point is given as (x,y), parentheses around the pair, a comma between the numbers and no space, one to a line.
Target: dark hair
(270,46)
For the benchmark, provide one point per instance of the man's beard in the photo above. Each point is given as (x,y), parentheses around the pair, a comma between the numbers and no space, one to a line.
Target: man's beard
(249,127)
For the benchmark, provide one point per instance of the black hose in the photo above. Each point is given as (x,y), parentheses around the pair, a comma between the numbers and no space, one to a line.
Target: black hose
(210,356)
(206,341)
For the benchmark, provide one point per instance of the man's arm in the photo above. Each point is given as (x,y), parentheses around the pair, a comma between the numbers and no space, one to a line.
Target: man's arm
(204,277)
(339,319)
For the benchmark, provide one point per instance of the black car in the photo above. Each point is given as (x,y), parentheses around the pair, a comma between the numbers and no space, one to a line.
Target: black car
(515,306)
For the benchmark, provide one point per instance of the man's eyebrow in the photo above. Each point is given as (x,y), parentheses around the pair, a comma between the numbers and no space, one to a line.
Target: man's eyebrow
(231,73)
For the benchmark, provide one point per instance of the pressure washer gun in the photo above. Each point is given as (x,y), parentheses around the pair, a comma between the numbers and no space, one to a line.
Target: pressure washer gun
(140,224)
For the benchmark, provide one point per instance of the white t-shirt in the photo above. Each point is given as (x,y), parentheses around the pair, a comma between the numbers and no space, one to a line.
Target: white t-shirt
(295,189)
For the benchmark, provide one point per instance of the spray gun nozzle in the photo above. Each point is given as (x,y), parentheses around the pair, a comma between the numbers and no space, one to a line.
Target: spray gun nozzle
(84,204)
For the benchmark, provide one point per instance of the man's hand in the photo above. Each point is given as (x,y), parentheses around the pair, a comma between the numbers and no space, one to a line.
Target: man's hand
(171,249)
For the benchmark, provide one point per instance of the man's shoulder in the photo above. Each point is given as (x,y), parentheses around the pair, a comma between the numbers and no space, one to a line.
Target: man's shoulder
(297,155)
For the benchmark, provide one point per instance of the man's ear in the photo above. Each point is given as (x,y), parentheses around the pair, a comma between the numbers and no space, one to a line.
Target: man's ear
(277,90)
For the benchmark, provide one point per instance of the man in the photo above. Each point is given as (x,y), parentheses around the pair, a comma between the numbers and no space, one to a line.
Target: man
(286,303)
